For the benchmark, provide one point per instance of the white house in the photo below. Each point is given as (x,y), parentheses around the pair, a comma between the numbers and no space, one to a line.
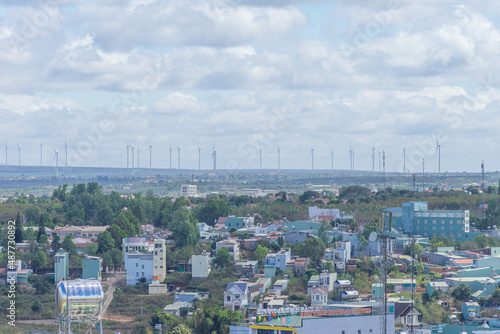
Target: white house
(279,259)
(322,280)
(139,265)
(233,247)
(132,245)
(339,255)
(403,313)
(200,265)
(236,296)
(319,296)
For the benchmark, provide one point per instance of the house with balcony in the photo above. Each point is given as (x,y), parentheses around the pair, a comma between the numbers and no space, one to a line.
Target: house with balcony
(279,259)
(236,296)
(233,247)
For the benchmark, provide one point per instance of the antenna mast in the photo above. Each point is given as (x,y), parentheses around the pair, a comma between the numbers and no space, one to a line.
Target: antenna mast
(383,158)
(404,159)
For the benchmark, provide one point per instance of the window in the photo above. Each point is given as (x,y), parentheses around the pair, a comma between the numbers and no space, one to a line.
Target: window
(343,332)
(143,274)
(434,222)
(136,264)
(228,298)
(137,274)
(156,252)
(156,267)
(142,266)
(237,296)
(359,331)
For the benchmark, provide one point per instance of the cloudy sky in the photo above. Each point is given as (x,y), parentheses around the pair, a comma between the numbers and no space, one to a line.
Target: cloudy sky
(245,75)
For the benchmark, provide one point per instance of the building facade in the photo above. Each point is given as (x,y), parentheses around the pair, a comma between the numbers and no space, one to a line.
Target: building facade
(236,296)
(132,245)
(159,260)
(91,267)
(200,265)
(61,266)
(279,259)
(416,219)
(189,190)
(139,265)
(233,247)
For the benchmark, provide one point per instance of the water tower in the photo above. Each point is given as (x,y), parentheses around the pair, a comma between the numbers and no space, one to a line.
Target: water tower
(79,301)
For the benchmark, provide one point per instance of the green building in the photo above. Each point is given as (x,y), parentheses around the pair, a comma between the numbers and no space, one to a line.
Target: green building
(91,267)
(377,291)
(415,218)
(61,266)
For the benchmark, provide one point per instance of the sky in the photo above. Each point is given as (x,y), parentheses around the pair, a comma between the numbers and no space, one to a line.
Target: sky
(240,76)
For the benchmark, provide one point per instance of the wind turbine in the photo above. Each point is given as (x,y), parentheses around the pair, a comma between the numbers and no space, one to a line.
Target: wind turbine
(178,157)
(6,147)
(19,154)
(128,146)
(41,154)
(279,156)
(351,157)
(57,162)
(331,151)
(312,158)
(379,161)
(199,157)
(150,155)
(438,152)
(373,158)
(66,152)
(138,157)
(170,154)
(260,158)
(214,158)
(132,148)
(404,159)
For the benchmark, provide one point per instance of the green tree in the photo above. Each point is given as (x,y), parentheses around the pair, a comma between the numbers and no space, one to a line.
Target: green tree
(462,293)
(314,249)
(105,216)
(162,318)
(36,306)
(185,230)
(32,215)
(210,211)
(68,245)
(116,257)
(106,260)
(18,235)
(261,253)
(56,242)
(417,250)
(222,259)
(41,226)
(181,329)
(105,242)
(90,249)
(433,313)
(39,261)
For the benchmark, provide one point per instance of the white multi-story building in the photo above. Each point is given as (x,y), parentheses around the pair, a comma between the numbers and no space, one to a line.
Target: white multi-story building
(339,255)
(189,190)
(279,259)
(233,247)
(236,296)
(159,260)
(327,214)
(139,265)
(200,265)
(133,245)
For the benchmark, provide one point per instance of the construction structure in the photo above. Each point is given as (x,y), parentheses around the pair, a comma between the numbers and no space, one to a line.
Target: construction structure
(79,301)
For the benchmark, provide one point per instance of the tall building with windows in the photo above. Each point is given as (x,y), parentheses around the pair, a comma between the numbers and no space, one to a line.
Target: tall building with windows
(159,260)
(189,190)
(415,218)
(61,266)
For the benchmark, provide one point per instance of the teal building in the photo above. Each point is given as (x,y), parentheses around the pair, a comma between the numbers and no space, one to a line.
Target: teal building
(91,267)
(415,218)
(61,266)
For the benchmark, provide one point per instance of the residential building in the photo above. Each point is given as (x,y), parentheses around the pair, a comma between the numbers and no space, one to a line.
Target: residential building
(61,266)
(189,190)
(470,310)
(133,245)
(91,232)
(91,267)
(406,313)
(247,268)
(280,259)
(377,291)
(297,237)
(139,265)
(264,283)
(239,222)
(415,218)
(175,308)
(301,225)
(200,265)
(159,259)
(319,296)
(327,214)
(339,255)
(280,285)
(269,270)
(325,279)
(233,247)
(437,286)
(237,296)
(403,284)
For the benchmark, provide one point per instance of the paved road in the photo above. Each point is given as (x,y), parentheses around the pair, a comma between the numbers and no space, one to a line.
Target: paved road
(113,282)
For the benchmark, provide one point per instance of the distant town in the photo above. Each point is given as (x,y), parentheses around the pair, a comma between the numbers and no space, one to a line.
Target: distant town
(263,261)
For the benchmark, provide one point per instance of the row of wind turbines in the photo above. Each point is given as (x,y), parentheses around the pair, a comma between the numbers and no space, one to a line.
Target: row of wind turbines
(56,154)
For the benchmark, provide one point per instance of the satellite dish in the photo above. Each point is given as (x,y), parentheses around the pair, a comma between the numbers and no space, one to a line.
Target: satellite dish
(373,236)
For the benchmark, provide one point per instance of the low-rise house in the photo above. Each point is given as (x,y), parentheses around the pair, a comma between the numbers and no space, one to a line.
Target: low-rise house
(233,247)
(406,313)
(297,237)
(91,267)
(279,259)
(247,268)
(470,310)
(322,280)
(237,296)
(238,222)
(269,270)
(91,232)
(175,308)
(339,255)
(401,284)
(200,265)
(264,283)
(281,285)
(319,296)
(478,294)
(439,286)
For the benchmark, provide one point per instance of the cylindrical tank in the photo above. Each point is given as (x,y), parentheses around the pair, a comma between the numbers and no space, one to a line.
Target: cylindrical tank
(79,299)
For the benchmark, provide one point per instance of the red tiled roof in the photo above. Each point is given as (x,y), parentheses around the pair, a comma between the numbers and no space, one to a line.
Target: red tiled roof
(464,261)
